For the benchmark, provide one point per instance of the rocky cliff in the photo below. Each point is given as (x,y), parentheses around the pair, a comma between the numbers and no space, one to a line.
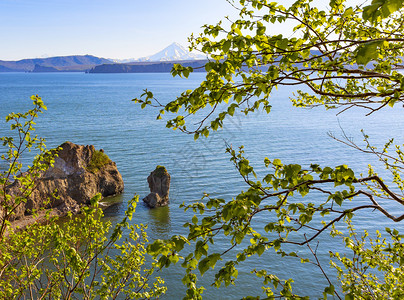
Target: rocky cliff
(79,173)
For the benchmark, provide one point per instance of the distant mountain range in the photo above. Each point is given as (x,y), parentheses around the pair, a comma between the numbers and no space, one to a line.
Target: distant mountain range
(87,63)
(77,63)
(174,52)
(161,62)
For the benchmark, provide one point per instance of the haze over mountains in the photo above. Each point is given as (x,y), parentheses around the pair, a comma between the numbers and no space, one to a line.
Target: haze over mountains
(84,63)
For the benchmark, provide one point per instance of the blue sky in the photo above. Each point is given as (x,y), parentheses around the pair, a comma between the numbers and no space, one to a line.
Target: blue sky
(105,28)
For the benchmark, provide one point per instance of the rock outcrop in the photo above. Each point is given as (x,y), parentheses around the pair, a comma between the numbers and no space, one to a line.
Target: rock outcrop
(78,174)
(159,184)
(44,69)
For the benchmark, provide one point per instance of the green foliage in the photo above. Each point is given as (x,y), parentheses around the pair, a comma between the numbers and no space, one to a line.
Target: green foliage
(340,57)
(81,258)
(160,171)
(76,259)
(97,161)
(279,196)
(380,9)
(22,141)
(375,269)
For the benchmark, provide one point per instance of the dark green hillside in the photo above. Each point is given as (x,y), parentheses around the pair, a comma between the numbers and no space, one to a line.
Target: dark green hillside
(148,67)
(61,63)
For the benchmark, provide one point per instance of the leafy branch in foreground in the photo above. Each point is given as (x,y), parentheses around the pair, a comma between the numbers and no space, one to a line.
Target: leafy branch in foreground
(340,57)
(375,272)
(18,144)
(279,197)
(78,259)
(81,257)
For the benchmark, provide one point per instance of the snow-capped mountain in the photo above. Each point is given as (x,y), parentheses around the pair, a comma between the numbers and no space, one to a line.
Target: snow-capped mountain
(173,52)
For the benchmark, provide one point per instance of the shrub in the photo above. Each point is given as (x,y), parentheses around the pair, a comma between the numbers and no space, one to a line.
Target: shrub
(97,161)
(160,171)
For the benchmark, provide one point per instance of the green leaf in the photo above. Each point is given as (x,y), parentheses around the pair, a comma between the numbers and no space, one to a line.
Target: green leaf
(260,249)
(237,31)
(226,46)
(330,290)
(367,52)
(208,262)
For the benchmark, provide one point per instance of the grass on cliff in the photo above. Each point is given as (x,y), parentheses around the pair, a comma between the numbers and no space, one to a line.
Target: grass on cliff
(98,160)
(160,171)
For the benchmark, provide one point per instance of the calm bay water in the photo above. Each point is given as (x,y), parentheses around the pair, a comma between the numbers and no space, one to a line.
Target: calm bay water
(96,109)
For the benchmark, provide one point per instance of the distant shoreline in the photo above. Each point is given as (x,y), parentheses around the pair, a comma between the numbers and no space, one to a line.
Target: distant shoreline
(161,62)
(109,67)
(148,67)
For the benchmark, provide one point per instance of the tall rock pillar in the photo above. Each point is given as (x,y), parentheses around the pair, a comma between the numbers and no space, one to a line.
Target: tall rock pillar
(159,184)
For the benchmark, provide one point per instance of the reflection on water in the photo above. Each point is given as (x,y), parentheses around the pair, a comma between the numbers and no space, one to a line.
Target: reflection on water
(160,221)
(112,200)
(113,206)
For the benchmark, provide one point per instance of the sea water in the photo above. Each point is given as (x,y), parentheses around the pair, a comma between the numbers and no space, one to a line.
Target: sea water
(96,109)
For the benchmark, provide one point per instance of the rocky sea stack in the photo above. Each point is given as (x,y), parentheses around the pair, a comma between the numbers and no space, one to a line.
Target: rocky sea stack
(78,174)
(159,184)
